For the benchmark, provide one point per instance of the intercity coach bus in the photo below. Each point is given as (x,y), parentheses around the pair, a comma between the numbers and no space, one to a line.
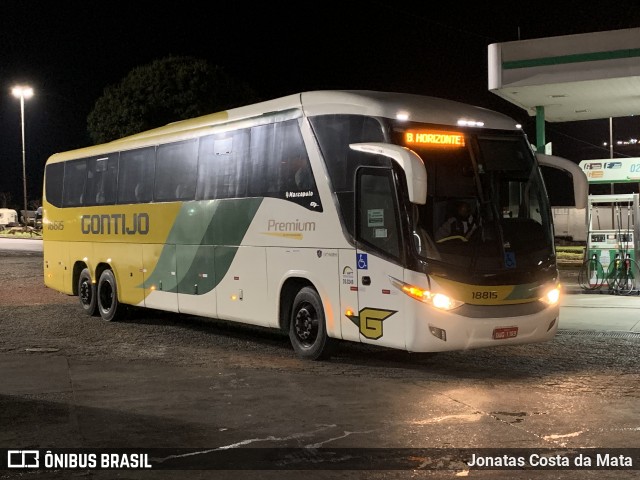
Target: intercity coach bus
(316,213)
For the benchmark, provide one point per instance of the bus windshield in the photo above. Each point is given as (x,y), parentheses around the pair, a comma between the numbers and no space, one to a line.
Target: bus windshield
(487,208)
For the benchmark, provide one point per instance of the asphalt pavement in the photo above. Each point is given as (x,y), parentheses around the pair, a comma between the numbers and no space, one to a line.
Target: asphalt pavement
(152,381)
(598,309)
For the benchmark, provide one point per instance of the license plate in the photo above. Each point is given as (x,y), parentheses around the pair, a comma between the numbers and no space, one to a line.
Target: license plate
(505,332)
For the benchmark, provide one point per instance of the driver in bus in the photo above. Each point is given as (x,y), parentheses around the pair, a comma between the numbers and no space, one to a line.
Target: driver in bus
(461,224)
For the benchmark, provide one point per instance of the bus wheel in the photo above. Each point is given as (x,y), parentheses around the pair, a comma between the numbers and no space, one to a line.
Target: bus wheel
(87,293)
(307,329)
(108,305)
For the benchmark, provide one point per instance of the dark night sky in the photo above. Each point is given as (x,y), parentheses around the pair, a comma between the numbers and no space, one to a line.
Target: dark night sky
(69,51)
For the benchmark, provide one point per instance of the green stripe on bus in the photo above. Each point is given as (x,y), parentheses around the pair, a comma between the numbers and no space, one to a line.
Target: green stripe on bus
(574,58)
(202,250)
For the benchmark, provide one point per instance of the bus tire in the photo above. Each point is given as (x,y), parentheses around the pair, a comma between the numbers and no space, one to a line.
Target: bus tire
(307,327)
(87,293)
(107,296)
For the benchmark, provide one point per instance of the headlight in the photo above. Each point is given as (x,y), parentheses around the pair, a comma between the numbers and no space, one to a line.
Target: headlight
(437,300)
(552,296)
(444,302)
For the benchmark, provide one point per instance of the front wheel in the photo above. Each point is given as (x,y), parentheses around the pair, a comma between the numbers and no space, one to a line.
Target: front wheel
(107,293)
(307,328)
(87,293)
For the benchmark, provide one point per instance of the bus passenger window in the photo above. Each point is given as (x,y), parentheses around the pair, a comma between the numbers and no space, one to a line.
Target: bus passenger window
(102,174)
(176,169)
(75,176)
(222,165)
(54,175)
(136,175)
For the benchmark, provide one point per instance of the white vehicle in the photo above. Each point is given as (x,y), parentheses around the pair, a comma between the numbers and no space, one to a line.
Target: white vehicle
(7,216)
(315,213)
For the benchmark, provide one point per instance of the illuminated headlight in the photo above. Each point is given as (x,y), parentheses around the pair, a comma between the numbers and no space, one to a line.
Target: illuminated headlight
(437,300)
(444,302)
(552,296)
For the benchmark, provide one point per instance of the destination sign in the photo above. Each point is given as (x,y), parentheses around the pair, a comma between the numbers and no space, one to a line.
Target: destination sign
(434,138)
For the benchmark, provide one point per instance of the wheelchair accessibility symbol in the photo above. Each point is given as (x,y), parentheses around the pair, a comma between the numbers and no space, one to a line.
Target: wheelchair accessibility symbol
(509,260)
(362,261)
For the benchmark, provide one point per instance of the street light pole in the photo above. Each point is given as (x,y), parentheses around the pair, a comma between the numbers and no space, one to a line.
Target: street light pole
(23,92)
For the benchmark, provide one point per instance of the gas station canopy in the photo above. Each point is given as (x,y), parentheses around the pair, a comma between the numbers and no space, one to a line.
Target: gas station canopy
(608,170)
(572,77)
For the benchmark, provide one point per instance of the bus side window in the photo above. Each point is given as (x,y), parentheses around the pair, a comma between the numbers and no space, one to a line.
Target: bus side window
(136,175)
(54,175)
(101,180)
(222,165)
(176,170)
(75,177)
(377,219)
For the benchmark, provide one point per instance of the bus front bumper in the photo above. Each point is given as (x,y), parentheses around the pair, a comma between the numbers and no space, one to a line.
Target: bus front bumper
(439,331)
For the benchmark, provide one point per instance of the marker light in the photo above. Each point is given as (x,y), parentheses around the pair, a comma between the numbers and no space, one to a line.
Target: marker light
(463,122)
(416,292)
(552,296)
(402,116)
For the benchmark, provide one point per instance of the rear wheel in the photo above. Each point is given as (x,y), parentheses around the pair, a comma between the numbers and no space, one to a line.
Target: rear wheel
(107,295)
(87,293)
(307,328)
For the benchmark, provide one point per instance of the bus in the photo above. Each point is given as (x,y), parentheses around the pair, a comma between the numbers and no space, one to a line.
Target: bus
(316,214)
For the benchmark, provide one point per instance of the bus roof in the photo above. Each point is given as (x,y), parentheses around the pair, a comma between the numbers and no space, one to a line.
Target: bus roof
(416,108)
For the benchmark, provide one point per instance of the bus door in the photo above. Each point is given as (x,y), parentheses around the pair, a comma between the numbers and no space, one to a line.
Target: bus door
(377,259)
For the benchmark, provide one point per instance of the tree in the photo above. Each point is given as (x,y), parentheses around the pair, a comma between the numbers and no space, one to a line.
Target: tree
(5,199)
(164,91)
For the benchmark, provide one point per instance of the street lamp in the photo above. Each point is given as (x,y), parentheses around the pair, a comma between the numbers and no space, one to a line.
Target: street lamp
(23,92)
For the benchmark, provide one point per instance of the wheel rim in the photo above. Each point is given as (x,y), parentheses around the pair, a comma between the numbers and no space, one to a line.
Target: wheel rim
(306,325)
(106,296)
(85,292)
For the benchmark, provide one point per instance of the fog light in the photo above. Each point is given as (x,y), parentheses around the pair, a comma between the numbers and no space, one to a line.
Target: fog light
(438,333)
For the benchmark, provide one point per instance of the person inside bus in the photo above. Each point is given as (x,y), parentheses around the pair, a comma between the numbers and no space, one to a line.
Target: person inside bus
(460,225)
(301,173)
(423,242)
(140,193)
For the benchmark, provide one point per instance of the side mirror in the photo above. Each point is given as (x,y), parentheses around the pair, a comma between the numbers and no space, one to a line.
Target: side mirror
(580,182)
(408,160)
